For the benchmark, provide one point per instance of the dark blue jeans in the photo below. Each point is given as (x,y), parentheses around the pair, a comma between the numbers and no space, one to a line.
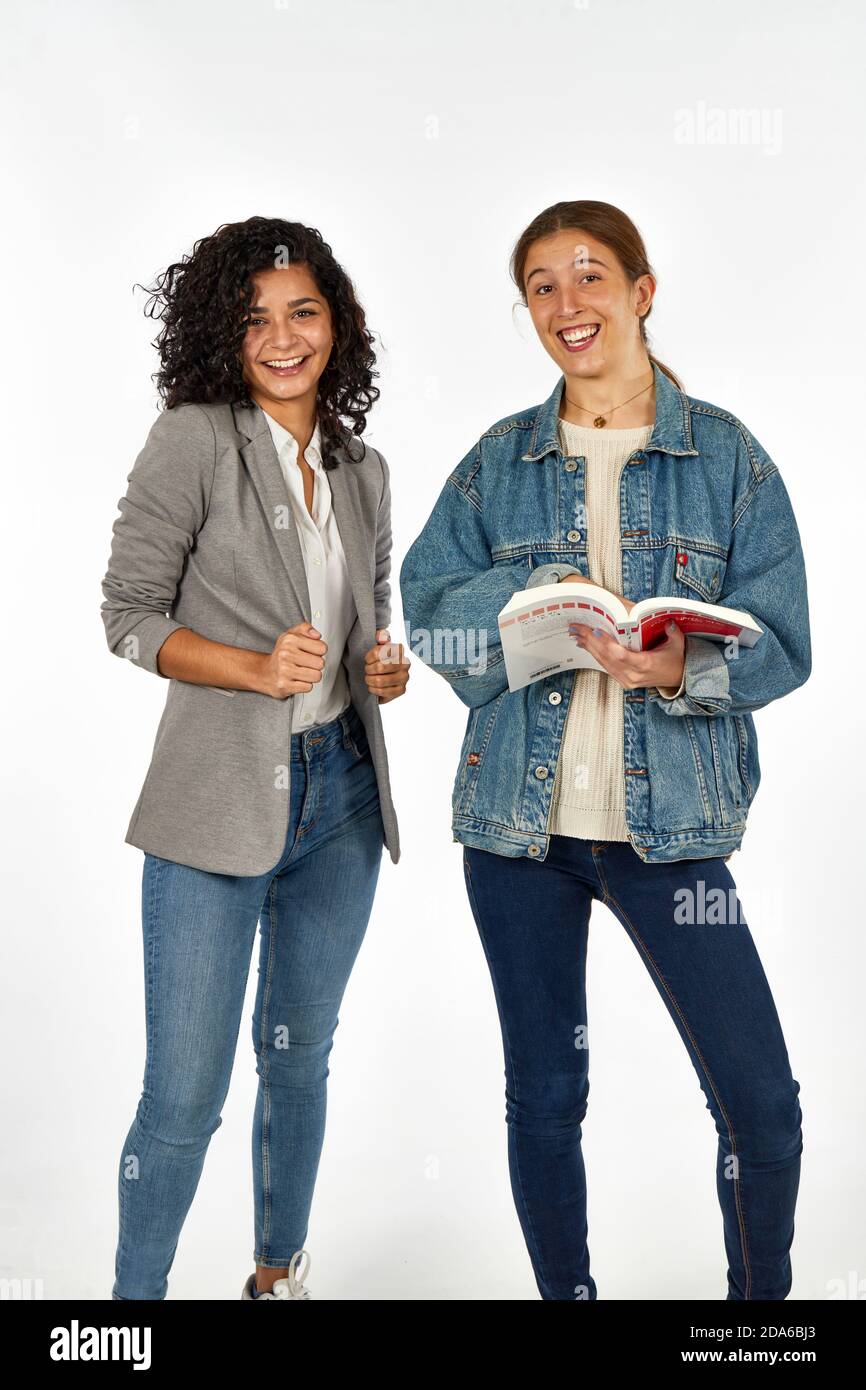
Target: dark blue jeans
(686,921)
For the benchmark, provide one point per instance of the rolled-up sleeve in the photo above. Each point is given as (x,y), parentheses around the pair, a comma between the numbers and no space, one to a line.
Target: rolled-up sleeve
(453,592)
(165,504)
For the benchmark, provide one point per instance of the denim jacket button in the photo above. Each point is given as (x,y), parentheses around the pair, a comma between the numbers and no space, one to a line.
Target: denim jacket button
(541,772)
(554,697)
(571,466)
(533,849)
(573,536)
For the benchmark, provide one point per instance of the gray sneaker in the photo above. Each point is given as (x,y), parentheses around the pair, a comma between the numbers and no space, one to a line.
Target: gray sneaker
(292,1286)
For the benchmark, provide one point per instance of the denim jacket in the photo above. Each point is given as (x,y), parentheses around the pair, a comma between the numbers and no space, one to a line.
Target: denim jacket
(704,514)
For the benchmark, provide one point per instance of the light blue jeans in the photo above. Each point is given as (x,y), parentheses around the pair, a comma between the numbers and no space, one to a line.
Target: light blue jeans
(199,931)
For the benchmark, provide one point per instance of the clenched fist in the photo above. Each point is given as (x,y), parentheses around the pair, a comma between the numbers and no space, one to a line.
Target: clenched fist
(296,663)
(386,669)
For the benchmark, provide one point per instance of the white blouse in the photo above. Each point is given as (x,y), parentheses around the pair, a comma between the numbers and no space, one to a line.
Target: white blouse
(332,604)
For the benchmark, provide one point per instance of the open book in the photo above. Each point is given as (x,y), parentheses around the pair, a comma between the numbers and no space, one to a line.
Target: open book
(536,641)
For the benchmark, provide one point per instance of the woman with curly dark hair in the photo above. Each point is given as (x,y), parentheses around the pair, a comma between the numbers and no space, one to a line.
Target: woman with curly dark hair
(250,568)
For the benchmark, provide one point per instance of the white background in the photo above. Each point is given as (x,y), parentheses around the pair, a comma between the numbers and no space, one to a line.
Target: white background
(421,139)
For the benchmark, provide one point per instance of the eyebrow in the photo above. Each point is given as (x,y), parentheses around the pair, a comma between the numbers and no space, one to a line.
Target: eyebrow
(292,304)
(543,270)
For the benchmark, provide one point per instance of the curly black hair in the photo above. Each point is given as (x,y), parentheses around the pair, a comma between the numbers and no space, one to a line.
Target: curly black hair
(203,302)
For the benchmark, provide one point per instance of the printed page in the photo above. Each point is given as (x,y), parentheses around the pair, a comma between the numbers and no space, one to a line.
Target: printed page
(536,641)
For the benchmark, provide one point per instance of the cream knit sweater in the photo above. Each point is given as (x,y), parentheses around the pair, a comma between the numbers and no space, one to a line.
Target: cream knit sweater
(589,786)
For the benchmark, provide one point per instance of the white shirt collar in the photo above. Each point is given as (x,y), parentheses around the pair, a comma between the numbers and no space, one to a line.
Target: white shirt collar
(284,439)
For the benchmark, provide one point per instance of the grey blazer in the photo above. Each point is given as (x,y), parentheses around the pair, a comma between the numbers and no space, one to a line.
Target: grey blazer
(202,541)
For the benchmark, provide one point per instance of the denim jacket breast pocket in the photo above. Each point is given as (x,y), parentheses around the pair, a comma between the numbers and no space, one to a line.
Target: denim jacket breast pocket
(517,554)
(699,570)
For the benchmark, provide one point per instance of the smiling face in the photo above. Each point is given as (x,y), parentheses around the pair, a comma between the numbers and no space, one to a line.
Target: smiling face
(289,338)
(585,309)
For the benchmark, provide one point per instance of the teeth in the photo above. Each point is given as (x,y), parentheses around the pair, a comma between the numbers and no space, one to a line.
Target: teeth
(577,335)
(285,362)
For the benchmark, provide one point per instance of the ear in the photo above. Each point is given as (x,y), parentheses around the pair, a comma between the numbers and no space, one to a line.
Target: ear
(644,289)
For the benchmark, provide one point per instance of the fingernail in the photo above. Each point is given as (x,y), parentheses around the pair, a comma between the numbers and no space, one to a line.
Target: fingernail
(596,632)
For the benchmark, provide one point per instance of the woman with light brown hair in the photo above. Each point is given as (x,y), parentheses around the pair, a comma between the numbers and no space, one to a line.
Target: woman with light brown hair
(629,783)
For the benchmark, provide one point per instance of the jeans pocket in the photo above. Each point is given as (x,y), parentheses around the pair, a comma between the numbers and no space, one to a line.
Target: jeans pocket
(355,738)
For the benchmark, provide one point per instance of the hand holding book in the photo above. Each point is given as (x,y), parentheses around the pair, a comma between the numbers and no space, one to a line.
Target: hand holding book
(662,667)
(631,642)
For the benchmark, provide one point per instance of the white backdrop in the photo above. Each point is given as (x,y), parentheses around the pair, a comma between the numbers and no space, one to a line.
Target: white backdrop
(421,139)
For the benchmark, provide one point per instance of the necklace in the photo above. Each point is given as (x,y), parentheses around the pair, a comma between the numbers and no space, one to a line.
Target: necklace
(601,420)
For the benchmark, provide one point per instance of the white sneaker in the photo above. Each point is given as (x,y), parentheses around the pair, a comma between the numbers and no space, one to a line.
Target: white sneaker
(292,1286)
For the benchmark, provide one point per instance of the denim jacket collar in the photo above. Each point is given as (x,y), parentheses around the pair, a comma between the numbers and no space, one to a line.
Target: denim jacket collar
(672,432)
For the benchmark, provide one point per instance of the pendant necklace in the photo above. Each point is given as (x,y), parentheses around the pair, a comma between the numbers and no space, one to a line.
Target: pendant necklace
(601,420)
